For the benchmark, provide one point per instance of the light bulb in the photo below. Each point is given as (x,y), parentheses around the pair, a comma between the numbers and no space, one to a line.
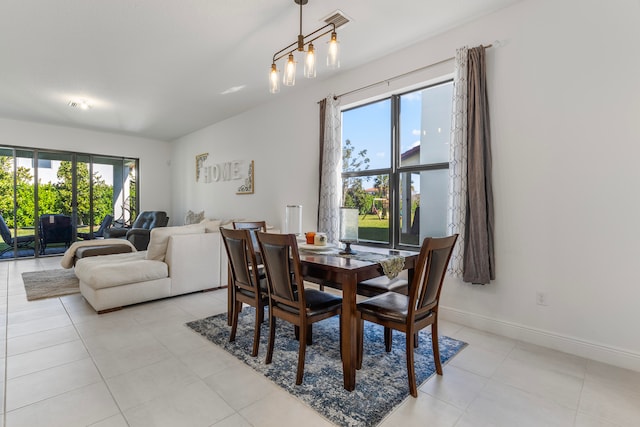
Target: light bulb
(289,78)
(310,63)
(333,56)
(274,82)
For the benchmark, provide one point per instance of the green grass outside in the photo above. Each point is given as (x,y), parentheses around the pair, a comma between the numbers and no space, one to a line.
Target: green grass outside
(372,228)
(377,230)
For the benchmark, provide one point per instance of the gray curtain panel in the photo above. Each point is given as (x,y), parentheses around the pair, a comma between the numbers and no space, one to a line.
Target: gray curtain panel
(323,113)
(479,260)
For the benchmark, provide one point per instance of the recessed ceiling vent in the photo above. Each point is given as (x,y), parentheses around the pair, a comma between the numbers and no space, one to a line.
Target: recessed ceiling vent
(338,18)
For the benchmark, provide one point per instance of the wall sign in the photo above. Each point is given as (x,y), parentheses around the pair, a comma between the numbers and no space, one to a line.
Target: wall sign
(209,172)
(247,187)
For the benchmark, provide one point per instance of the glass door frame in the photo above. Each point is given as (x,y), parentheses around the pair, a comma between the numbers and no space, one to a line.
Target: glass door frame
(122,167)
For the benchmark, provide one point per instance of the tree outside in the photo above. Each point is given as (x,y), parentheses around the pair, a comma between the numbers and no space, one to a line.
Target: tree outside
(52,197)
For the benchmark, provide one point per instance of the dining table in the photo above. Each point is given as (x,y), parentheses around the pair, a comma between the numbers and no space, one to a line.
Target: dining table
(329,268)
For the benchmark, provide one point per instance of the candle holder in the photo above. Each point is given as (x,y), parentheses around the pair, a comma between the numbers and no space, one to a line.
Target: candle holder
(293,220)
(348,229)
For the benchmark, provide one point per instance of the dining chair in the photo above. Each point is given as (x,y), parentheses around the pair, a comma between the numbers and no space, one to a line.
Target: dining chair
(249,286)
(288,298)
(382,284)
(252,226)
(415,311)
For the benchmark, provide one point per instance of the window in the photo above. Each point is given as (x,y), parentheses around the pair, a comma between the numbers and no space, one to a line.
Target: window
(395,154)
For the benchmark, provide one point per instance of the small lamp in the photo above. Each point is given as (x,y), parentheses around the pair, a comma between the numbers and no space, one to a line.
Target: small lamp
(348,228)
(293,220)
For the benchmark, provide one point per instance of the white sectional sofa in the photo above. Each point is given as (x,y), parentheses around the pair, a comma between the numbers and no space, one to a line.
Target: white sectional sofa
(179,260)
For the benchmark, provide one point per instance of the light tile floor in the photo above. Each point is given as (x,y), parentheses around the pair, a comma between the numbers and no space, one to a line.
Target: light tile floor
(63,365)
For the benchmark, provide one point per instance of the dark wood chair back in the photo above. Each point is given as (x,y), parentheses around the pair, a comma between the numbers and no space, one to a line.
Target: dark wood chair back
(282,262)
(288,299)
(247,283)
(253,226)
(424,291)
(415,311)
(242,259)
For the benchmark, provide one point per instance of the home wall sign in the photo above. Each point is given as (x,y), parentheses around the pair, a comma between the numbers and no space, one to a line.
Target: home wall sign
(209,171)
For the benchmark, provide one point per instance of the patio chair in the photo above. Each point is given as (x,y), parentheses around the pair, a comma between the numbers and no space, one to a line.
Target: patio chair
(106,223)
(21,241)
(55,229)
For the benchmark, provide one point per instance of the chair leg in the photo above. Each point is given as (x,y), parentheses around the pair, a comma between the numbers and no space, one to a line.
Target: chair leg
(296,331)
(436,347)
(309,334)
(340,334)
(416,340)
(411,372)
(230,299)
(388,338)
(301,353)
(360,344)
(272,337)
(234,321)
(256,332)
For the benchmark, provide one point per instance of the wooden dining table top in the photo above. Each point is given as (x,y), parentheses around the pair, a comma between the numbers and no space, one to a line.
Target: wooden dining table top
(334,270)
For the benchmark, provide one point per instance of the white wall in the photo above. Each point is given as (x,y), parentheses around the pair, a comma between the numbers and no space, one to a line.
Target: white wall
(154,155)
(565,106)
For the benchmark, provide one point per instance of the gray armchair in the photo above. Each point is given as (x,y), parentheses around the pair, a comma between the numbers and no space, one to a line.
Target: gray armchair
(140,230)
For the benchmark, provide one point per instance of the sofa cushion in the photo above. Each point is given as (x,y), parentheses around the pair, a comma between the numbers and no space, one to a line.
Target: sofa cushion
(211,225)
(160,238)
(119,269)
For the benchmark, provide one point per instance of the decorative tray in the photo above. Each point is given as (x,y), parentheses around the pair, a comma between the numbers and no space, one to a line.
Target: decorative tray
(314,248)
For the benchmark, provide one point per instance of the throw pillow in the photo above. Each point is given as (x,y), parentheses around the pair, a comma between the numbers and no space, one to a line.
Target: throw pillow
(160,239)
(193,217)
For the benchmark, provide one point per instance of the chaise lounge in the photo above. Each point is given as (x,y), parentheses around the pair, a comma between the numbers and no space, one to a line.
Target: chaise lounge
(179,260)
(21,241)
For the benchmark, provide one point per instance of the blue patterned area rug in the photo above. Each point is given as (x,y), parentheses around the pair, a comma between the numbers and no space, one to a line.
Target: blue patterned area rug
(381,384)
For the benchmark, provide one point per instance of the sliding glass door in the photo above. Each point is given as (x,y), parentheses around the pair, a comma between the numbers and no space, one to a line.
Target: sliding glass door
(17,223)
(49,199)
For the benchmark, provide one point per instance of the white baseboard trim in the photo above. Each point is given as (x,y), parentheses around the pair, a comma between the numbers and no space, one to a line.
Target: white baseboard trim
(601,353)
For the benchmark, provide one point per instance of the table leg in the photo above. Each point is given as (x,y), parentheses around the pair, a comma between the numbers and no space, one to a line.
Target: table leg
(349,331)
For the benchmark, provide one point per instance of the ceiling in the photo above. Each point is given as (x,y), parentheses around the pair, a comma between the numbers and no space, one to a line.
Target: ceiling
(157,68)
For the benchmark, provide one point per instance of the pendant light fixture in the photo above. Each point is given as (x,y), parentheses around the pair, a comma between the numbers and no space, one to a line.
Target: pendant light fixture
(289,76)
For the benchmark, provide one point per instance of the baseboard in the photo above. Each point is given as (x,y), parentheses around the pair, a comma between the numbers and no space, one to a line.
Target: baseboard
(601,353)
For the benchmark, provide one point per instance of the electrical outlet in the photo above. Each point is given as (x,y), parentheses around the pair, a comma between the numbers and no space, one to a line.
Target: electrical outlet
(541,298)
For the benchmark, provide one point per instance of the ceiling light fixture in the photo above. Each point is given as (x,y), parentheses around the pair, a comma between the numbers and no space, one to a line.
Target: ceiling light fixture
(289,77)
(83,104)
(233,89)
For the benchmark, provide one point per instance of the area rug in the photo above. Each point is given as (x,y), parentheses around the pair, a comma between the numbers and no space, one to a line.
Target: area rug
(381,384)
(50,283)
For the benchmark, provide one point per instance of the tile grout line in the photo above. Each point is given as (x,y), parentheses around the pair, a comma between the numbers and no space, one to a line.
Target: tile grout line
(104,381)
(6,349)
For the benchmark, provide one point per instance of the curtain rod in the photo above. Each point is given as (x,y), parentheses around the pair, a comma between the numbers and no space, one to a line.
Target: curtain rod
(390,79)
